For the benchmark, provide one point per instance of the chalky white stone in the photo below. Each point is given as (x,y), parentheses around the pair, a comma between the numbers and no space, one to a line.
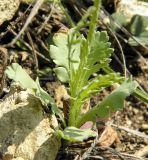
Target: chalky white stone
(25,129)
(7,9)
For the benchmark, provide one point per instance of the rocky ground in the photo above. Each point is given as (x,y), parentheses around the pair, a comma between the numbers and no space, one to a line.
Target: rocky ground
(126,133)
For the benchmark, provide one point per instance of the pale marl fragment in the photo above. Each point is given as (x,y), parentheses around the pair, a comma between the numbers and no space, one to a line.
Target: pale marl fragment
(133,7)
(26,131)
(142,152)
(7,9)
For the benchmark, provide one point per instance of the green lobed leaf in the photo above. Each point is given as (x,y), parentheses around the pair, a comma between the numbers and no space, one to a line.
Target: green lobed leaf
(63,56)
(110,104)
(92,60)
(73,134)
(97,59)
(98,84)
(19,75)
(62,74)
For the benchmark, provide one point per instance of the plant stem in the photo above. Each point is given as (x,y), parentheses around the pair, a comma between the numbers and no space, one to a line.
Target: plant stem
(94,20)
(75,108)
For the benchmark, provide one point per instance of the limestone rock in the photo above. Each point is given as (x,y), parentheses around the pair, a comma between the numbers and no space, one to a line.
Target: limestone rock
(132,7)
(25,129)
(7,9)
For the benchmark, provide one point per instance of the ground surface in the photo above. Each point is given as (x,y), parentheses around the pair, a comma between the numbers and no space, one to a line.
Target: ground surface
(32,53)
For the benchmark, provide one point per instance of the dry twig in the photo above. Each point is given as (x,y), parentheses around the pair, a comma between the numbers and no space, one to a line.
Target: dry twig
(33,51)
(29,19)
(47,19)
(28,46)
(111,151)
(131,131)
(88,151)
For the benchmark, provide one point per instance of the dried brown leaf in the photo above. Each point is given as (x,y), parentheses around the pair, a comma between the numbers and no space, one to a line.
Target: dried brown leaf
(108,137)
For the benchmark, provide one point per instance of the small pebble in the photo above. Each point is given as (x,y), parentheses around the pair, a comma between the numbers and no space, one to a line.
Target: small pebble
(144,127)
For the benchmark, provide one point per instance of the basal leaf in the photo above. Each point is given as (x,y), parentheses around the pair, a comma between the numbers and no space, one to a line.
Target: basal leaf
(74,134)
(18,74)
(110,104)
(63,55)
(97,84)
(62,74)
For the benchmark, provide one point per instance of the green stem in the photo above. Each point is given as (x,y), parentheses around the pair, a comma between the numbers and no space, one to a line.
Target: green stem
(74,109)
(94,20)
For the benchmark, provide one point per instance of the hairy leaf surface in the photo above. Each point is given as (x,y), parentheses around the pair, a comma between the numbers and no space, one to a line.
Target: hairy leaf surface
(19,75)
(92,60)
(63,55)
(110,104)
(74,134)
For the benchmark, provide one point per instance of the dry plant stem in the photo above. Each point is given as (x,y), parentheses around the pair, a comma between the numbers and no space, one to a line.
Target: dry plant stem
(3,64)
(72,24)
(131,131)
(122,28)
(47,19)
(132,156)
(42,44)
(28,46)
(12,24)
(77,6)
(138,53)
(120,63)
(111,151)
(96,157)
(122,53)
(29,19)
(33,51)
(85,155)
(77,157)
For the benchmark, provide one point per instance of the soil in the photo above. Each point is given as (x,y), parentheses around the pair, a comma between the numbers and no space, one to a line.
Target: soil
(134,116)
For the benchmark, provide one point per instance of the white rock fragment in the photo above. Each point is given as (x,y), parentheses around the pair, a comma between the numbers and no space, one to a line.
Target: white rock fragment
(7,9)
(25,132)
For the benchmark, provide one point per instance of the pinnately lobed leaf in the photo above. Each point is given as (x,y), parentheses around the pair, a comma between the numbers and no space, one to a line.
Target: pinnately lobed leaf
(95,60)
(19,75)
(70,57)
(59,52)
(73,134)
(92,59)
(110,104)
